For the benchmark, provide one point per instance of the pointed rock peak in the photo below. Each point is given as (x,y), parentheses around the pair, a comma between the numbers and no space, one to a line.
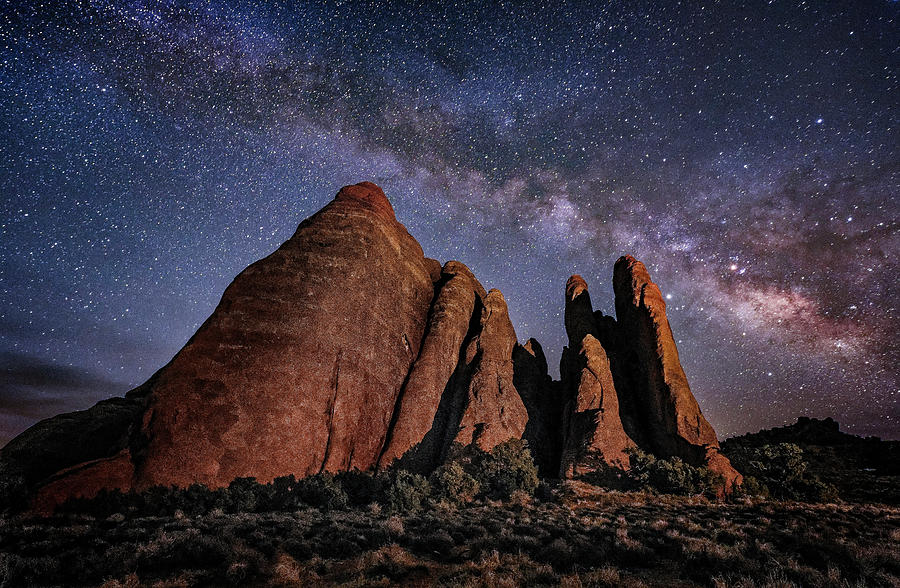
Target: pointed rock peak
(495,298)
(575,286)
(579,315)
(369,196)
(533,353)
(454,267)
(457,268)
(629,278)
(534,349)
(498,337)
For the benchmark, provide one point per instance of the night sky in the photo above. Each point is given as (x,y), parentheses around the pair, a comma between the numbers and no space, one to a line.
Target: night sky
(747,152)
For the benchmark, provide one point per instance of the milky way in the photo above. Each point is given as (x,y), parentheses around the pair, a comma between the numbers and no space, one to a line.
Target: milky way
(746,151)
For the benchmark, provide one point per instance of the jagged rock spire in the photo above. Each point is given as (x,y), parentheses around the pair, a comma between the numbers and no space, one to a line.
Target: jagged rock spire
(672,419)
(595,439)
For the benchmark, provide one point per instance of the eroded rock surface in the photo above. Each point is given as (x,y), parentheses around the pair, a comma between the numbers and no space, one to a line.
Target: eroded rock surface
(595,439)
(672,419)
(493,411)
(347,349)
(458,292)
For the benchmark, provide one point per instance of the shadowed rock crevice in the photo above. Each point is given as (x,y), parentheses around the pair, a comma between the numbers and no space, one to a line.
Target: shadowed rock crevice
(544,404)
(594,435)
(439,285)
(457,306)
(443,428)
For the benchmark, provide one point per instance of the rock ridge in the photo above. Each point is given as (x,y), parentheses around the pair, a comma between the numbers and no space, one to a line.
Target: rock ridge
(347,348)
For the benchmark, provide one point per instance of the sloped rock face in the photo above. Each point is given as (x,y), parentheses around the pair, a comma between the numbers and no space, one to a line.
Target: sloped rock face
(673,422)
(91,440)
(493,411)
(299,367)
(595,438)
(458,293)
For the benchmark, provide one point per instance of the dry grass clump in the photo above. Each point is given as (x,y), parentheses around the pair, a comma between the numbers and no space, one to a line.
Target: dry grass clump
(585,538)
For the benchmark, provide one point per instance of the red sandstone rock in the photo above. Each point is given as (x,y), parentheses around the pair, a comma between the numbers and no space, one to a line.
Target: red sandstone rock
(298,369)
(85,480)
(493,411)
(448,324)
(594,436)
(675,424)
(347,348)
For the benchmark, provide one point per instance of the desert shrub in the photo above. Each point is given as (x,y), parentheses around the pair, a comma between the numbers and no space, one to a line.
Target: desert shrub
(361,488)
(751,487)
(282,494)
(322,491)
(453,484)
(243,495)
(154,501)
(196,499)
(669,476)
(407,492)
(781,468)
(507,468)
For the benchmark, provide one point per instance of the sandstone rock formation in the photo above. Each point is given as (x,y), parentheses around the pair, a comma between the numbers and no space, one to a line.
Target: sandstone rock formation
(672,421)
(347,348)
(299,367)
(315,360)
(458,293)
(594,436)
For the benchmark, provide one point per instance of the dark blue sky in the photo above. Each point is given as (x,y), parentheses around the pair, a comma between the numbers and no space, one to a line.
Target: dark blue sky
(746,151)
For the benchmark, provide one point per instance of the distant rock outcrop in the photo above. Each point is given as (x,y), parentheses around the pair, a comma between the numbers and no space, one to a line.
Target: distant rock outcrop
(347,348)
(863,469)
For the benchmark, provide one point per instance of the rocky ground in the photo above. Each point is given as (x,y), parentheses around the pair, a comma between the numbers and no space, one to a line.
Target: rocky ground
(581,537)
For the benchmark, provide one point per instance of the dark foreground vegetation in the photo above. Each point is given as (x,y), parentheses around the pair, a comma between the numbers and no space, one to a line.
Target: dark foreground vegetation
(581,537)
(482,519)
(854,469)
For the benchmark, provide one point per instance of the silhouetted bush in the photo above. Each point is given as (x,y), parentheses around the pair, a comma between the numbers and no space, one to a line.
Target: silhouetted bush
(781,468)
(669,476)
(501,473)
(451,483)
(322,491)
(507,468)
(282,494)
(407,492)
(751,487)
(362,488)
(243,495)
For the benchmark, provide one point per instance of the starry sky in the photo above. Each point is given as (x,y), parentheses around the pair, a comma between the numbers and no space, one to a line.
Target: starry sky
(747,152)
